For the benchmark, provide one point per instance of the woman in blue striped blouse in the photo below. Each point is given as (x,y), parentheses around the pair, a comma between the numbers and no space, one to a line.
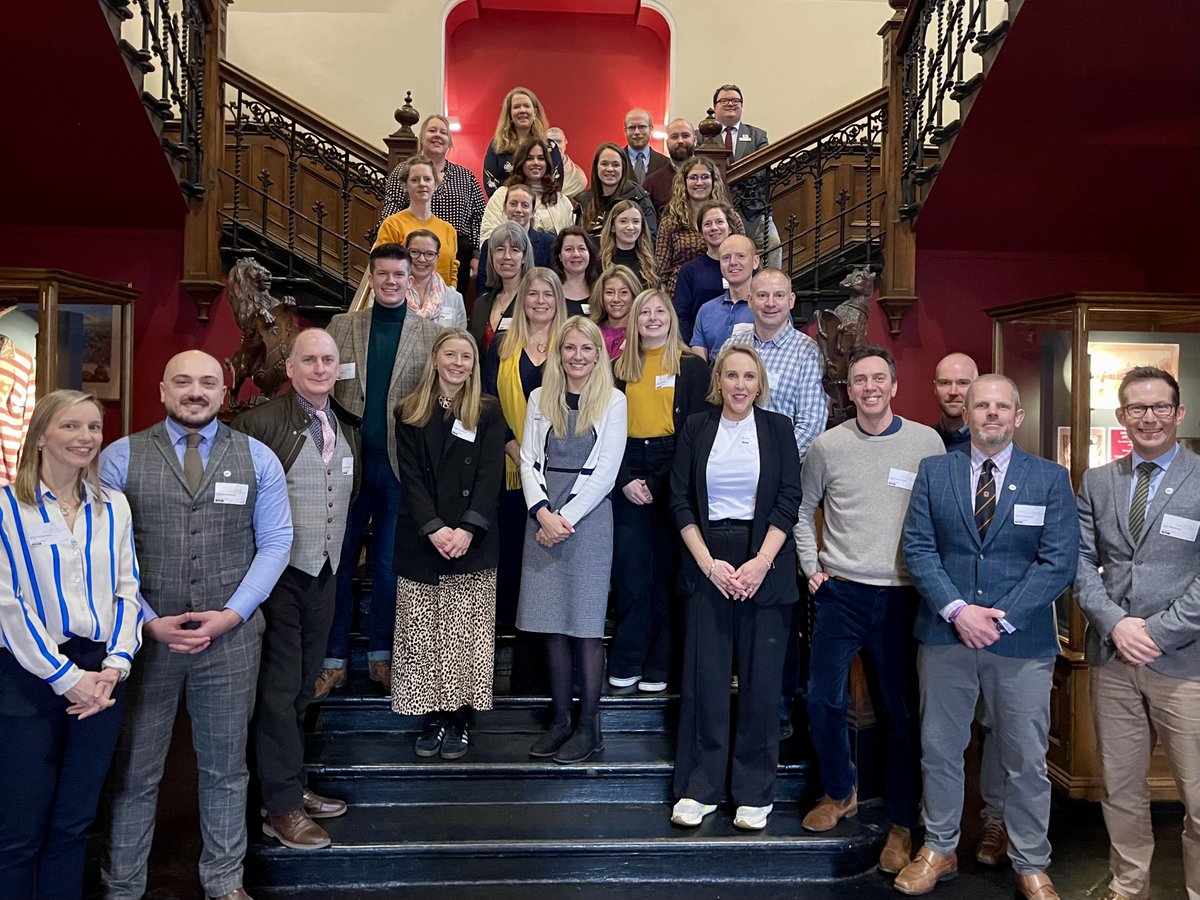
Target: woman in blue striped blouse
(70,624)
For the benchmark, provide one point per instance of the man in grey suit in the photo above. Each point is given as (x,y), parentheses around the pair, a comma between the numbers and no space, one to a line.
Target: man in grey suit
(742,140)
(991,541)
(1139,586)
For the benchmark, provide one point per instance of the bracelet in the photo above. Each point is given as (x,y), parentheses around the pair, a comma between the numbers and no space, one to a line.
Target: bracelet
(770,562)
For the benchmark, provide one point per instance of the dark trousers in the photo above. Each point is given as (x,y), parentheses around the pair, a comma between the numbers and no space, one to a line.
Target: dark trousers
(298,612)
(528,673)
(877,620)
(52,766)
(646,559)
(716,632)
(378,502)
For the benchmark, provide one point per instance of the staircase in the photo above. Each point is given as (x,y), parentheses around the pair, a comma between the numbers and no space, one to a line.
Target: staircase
(498,820)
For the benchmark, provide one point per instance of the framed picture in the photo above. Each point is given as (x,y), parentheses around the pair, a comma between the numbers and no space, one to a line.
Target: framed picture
(101,360)
(1110,362)
(1097,450)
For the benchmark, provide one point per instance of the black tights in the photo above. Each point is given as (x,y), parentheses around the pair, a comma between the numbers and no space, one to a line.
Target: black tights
(589,657)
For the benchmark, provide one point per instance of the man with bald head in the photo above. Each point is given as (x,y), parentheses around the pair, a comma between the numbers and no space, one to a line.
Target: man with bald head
(317,441)
(951,379)
(213,530)
(716,318)
(643,159)
(681,143)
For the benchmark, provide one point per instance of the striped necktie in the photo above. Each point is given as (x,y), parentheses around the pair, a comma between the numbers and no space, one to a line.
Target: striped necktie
(985,497)
(1141,496)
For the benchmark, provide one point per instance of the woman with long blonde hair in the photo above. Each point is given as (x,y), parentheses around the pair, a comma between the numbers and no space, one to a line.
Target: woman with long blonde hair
(521,117)
(612,300)
(697,181)
(449,448)
(571,448)
(625,241)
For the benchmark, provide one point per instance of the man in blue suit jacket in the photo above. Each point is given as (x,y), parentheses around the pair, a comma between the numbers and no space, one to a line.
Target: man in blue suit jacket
(991,540)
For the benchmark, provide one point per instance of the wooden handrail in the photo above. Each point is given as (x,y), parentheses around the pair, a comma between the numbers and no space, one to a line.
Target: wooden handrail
(911,13)
(238,78)
(781,149)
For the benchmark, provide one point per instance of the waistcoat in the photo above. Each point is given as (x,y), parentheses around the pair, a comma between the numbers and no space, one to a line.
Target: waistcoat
(319,495)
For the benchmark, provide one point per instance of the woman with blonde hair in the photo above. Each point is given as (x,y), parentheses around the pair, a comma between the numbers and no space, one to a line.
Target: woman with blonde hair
(521,117)
(420,179)
(552,210)
(71,624)
(664,383)
(449,448)
(625,241)
(697,181)
(571,448)
(612,300)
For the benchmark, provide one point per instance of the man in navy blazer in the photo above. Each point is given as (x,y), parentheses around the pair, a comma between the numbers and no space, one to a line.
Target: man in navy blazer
(991,541)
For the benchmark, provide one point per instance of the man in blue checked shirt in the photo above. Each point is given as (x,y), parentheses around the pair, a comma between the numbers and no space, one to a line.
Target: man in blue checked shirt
(213,529)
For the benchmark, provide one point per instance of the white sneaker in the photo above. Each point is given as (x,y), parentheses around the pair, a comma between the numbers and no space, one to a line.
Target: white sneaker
(624,682)
(652,687)
(691,812)
(752,818)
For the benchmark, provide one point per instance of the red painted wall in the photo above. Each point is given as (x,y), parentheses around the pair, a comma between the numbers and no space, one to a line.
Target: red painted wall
(587,70)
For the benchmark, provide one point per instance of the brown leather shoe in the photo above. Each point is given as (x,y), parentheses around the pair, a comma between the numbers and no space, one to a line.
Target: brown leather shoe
(327,681)
(239,894)
(828,812)
(296,830)
(923,874)
(897,850)
(318,807)
(1036,886)
(993,845)
(380,670)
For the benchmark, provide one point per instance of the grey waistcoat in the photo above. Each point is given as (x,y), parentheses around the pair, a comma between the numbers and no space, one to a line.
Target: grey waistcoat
(319,496)
(192,551)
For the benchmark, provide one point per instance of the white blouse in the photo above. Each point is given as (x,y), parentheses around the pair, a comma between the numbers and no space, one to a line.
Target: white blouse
(550,219)
(732,472)
(56,583)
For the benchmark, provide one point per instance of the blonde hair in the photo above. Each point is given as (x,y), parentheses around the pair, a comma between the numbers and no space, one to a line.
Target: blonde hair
(714,388)
(29,465)
(517,337)
(596,394)
(596,302)
(629,364)
(419,159)
(506,139)
(645,252)
(679,207)
(425,124)
(417,408)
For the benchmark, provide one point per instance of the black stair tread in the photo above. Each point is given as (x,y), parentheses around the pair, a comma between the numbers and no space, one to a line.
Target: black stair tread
(361,692)
(549,827)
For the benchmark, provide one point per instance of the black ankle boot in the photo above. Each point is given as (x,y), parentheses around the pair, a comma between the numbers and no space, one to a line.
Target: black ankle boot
(549,743)
(586,740)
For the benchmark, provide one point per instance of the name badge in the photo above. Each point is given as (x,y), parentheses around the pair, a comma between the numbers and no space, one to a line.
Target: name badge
(346,371)
(1024,514)
(47,533)
(348,465)
(902,479)
(724,284)
(743,137)
(227,492)
(772,378)
(461,431)
(1179,527)
(505,324)
(662,382)
(587,308)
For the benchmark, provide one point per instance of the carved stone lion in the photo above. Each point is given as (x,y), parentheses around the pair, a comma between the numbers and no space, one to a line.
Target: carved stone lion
(267,330)
(839,334)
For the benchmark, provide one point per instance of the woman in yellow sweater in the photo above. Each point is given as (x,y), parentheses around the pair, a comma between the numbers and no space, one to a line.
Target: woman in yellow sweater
(420,181)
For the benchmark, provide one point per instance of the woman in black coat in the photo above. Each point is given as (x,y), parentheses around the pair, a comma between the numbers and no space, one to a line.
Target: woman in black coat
(735,496)
(450,450)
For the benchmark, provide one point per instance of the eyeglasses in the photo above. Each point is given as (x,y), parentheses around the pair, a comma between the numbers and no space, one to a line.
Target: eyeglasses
(637,127)
(729,101)
(699,178)
(423,254)
(1139,410)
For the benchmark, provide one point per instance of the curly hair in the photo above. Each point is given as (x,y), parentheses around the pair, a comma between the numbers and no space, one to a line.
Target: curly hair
(548,186)
(679,208)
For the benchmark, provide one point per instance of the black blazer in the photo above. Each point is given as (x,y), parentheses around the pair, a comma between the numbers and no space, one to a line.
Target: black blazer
(778,495)
(460,488)
(691,387)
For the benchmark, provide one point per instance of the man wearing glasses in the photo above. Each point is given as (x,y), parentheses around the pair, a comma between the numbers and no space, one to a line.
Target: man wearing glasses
(1139,586)
(741,140)
(643,159)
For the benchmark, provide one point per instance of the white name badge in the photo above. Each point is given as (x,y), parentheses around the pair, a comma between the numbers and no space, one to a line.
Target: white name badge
(461,431)
(743,137)
(505,324)
(1179,527)
(228,492)
(587,308)
(347,465)
(1024,514)
(902,479)
(724,284)
(346,371)
(662,382)
(47,533)
(773,379)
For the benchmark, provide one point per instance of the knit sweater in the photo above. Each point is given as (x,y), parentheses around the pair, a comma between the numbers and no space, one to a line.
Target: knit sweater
(864,514)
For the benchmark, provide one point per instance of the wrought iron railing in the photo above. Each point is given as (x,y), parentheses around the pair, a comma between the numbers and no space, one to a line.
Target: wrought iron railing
(825,192)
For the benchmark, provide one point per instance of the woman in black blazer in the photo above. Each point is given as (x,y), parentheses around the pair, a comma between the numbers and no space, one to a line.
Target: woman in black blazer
(664,383)
(735,496)
(450,450)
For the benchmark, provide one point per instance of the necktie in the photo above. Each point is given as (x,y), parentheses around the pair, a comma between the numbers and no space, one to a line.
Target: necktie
(729,139)
(1141,495)
(985,498)
(328,438)
(639,168)
(193,468)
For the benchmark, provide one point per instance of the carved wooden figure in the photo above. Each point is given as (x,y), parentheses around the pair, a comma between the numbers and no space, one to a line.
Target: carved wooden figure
(839,334)
(267,331)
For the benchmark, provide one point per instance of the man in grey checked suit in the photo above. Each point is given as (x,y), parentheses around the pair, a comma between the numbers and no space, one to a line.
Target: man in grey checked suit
(1139,586)
(991,541)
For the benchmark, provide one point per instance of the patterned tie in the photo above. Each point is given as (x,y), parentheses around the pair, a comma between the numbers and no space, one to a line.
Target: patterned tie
(985,498)
(1141,495)
(639,168)
(729,139)
(328,438)
(193,468)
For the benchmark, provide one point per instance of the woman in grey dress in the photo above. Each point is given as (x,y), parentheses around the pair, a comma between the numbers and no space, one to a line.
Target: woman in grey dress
(571,449)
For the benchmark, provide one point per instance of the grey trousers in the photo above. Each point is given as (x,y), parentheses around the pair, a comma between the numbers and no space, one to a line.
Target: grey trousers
(218,686)
(1016,693)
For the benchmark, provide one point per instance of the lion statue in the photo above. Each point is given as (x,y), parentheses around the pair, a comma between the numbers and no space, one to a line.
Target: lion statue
(839,334)
(267,331)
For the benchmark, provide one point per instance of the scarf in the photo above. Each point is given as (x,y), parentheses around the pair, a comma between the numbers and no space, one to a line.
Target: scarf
(436,294)
(512,404)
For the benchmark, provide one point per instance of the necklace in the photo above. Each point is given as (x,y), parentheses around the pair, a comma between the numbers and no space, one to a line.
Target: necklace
(444,402)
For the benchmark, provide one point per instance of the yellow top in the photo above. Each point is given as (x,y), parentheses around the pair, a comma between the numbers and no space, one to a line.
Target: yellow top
(651,401)
(396,229)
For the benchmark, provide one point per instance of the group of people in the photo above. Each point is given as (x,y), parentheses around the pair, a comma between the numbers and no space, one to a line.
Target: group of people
(574,433)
